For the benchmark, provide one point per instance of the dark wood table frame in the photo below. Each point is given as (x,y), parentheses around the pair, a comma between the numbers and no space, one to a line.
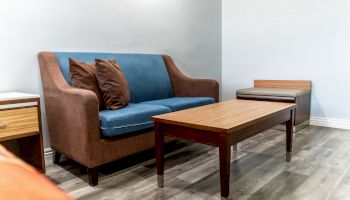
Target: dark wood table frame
(222,140)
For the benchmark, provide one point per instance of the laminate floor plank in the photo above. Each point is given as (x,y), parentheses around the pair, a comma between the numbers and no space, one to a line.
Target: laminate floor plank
(320,169)
(280,187)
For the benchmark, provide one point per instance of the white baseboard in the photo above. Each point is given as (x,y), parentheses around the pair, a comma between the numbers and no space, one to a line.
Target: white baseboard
(329,122)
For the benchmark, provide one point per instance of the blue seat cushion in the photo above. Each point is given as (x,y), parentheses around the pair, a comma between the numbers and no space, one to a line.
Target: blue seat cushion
(180,103)
(147,75)
(131,118)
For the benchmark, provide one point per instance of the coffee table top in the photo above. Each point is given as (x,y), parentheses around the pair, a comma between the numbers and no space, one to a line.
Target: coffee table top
(225,116)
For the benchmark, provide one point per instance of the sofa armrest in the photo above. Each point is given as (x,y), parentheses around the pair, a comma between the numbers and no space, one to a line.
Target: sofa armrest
(72,113)
(184,86)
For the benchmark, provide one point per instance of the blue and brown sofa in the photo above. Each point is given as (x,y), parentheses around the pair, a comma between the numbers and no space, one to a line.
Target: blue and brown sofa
(93,137)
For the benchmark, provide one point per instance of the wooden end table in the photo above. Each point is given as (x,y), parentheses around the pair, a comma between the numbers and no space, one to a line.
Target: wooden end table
(20,127)
(222,125)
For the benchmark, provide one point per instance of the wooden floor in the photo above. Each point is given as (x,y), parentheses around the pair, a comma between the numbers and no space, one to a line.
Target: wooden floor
(320,170)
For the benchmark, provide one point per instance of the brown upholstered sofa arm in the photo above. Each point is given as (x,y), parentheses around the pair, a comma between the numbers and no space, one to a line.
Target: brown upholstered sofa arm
(72,113)
(184,86)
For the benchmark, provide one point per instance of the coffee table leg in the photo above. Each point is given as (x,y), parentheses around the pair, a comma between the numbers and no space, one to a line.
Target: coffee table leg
(289,136)
(225,161)
(235,147)
(159,143)
(234,151)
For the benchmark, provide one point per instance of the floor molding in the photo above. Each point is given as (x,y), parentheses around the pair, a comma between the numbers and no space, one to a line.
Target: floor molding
(330,122)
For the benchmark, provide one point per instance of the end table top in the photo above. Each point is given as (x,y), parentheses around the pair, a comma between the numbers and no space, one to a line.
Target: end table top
(224,116)
(10,96)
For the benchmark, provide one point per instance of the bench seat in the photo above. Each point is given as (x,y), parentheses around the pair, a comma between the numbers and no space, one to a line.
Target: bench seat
(276,92)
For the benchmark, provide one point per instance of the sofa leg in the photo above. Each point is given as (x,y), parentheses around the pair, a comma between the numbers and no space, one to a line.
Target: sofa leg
(93,176)
(56,157)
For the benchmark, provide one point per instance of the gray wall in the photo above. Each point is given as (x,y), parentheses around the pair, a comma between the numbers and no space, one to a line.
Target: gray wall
(284,39)
(188,30)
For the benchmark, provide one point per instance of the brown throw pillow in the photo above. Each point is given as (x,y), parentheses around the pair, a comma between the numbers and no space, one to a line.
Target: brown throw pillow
(113,84)
(83,75)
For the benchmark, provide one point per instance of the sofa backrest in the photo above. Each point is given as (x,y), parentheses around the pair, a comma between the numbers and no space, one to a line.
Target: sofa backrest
(147,74)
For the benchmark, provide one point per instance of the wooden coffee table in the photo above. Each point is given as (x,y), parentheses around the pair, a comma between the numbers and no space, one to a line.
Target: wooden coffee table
(222,125)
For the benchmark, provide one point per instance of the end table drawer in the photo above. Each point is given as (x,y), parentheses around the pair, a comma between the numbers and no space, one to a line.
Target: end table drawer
(18,121)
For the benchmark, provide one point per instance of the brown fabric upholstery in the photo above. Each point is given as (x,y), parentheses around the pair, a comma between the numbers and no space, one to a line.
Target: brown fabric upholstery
(113,84)
(73,115)
(184,86)
(83,76)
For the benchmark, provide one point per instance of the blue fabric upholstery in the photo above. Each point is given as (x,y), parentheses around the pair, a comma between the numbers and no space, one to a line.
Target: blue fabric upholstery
(150,91)
(131,118)
(147,74)
(180,103)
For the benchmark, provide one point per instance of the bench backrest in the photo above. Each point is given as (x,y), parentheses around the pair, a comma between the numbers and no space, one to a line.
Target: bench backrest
(290,84)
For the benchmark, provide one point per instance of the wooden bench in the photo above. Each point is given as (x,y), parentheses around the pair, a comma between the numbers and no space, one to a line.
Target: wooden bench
(290,91)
